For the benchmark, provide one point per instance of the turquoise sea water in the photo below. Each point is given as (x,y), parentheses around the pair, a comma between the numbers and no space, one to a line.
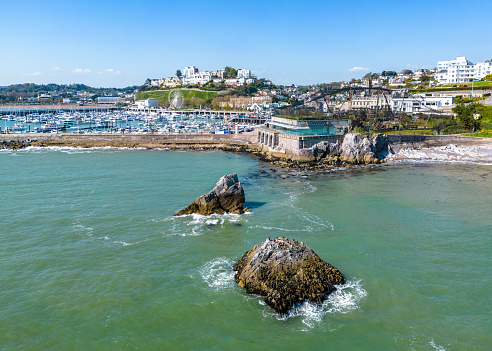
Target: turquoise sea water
(91,256)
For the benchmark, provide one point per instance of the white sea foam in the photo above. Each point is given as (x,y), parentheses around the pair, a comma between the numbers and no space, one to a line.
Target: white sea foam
(119,242)
(83,228)
(345,299)
(435,346)
(218,273)
(70,149)
(124,243)
(196,224)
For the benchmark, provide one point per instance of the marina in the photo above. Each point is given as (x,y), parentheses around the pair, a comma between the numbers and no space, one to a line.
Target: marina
(120,121)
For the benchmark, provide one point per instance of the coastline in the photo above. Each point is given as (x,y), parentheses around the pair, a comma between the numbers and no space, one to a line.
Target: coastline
(437,149)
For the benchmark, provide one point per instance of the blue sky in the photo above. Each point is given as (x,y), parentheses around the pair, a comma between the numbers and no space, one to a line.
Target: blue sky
(120,43)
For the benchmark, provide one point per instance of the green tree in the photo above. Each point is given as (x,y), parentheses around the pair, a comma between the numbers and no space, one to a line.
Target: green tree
(487,78)
(230,72)
(178,73)
(468,116)
(424,78)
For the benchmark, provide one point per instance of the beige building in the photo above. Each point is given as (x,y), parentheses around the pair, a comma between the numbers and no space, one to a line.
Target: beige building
(242,102)
(171,82)
(368,102)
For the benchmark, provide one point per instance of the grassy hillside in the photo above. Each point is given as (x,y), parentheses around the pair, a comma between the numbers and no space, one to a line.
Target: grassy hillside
(163,95)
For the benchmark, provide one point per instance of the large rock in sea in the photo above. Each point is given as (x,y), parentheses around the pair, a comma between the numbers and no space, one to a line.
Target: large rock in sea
(226,197)
(287,273)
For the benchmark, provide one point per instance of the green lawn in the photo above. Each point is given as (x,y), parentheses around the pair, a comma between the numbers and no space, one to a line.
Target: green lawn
(412,132)
(449,87)
(485,134)
(486,84)
(163,95)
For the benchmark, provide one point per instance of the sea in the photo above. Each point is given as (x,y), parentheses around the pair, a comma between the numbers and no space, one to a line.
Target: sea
(93,258)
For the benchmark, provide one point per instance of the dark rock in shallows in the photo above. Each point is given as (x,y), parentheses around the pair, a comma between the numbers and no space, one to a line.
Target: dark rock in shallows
(226,197)
(287,273)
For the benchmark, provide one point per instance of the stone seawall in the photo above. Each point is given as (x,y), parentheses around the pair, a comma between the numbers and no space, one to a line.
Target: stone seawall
(177,141)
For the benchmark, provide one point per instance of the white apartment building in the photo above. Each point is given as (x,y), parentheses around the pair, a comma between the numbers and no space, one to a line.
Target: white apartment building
(421,103)
(461,70)
(191,75)
(243,73)
(198,78)
(189,71)
(238,81)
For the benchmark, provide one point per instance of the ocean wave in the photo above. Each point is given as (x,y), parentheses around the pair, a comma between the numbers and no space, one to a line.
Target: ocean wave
(83,229)
(435,346)
(119,242)
(196,224)
(218,273)
(345,299)
(69,149)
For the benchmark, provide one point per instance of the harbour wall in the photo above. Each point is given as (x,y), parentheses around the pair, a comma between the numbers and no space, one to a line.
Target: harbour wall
(111,139)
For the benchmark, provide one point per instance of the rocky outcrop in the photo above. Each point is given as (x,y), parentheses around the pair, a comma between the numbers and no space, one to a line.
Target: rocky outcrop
(356,148)
(226,197)
(287,273)
(363,148)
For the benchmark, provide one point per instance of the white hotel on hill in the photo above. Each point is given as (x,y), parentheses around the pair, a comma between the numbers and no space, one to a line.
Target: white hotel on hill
(461,70)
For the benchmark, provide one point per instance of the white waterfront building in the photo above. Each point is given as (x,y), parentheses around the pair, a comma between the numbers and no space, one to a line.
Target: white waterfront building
(147,103)
(461,70)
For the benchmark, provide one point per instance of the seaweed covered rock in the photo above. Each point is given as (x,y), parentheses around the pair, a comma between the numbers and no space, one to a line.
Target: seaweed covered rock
(287,273)
(226,197)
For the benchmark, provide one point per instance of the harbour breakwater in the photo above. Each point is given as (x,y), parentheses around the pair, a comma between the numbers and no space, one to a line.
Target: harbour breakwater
(233,142)
(335,151)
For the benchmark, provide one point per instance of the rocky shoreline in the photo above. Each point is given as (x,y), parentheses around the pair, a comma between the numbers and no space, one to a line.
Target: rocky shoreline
(356,150)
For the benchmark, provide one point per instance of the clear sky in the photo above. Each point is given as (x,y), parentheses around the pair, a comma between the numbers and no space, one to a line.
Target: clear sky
(108,43)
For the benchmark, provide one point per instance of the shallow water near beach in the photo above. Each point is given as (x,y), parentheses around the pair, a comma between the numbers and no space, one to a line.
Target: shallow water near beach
(91,256)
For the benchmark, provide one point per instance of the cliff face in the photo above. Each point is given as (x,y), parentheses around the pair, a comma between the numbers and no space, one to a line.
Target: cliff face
(226,197)
(287,273)
(356,148)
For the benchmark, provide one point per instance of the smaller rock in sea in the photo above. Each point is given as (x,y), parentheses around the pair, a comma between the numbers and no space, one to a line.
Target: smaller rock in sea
(287,273)
(226,197)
